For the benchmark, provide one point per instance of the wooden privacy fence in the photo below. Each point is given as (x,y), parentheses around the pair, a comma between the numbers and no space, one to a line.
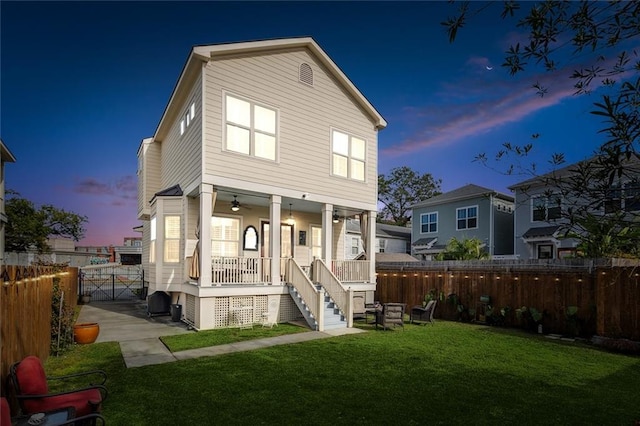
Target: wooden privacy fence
(25,310)
(607,297)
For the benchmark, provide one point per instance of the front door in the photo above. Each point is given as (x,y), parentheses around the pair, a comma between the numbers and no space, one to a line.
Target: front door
(286,240)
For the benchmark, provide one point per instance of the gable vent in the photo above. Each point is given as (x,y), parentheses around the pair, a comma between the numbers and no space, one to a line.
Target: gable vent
(306,74)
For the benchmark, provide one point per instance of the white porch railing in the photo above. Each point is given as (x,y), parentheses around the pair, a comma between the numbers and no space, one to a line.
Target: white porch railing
(240,270)
(306,289)
(334,287)
(351,270)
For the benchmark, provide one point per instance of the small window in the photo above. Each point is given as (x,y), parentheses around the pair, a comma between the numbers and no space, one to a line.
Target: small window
(316,241)
(172,239)
(429,223)
(355,246)
(152,245)
(250,240)
(467,218)
(187,118)
(306,74)
(546,208)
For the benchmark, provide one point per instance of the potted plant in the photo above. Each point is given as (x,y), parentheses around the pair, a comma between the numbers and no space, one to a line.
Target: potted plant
(86,332)
(86,297)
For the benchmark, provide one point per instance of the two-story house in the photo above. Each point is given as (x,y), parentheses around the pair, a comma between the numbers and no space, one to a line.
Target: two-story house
(5,157)
(263,150)
(467,212)
(542,205)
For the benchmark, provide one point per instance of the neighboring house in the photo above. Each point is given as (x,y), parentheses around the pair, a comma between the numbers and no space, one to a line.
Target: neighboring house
(389,239)
(467,212)
(5,157)
(261,145)
(540,217)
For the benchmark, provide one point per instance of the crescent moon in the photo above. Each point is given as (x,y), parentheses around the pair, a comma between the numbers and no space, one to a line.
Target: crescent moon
(488,68)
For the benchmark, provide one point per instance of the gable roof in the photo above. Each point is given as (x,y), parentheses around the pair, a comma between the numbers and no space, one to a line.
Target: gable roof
(5,154)
(205,53)
(462,193)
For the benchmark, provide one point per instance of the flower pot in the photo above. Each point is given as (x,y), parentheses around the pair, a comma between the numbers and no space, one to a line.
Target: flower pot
(87,332)
(85,299)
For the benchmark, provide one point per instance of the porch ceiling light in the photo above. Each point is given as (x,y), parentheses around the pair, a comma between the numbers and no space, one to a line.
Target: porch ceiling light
(291,220)
(336,218)
(235,205)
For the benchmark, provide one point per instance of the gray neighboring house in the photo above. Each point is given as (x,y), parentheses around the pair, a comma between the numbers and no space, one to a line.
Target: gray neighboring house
(539,222)
(389,239)
(470,211)
(5,157)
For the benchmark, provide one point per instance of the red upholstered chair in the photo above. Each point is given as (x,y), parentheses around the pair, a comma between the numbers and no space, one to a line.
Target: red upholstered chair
(32,390)
(5,414)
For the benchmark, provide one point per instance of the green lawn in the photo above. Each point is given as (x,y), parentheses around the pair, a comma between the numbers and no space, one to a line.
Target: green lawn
(450,374)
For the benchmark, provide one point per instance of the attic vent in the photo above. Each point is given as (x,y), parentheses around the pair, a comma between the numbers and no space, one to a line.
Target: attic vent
(306,74)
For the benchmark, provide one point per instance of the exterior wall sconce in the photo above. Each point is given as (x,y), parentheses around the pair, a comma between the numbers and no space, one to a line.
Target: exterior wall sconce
(336,218)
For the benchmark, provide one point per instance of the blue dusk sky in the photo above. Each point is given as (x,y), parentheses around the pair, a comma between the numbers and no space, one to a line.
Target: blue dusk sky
(82,83)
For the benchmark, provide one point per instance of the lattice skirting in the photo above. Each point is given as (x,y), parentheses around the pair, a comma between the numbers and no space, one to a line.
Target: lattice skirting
(237,311)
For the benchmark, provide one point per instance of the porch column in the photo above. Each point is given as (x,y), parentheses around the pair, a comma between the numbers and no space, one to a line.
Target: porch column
(274,237)
(327,234)
(207,200)
(371,246)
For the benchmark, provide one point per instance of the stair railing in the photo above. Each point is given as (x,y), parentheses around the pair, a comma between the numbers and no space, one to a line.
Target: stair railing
(312,297)
(342,297)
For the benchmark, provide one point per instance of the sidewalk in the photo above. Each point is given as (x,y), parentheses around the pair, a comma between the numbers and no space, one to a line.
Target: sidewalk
(138,335)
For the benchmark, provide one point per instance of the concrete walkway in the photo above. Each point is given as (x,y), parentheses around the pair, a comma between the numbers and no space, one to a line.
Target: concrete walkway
(127,323)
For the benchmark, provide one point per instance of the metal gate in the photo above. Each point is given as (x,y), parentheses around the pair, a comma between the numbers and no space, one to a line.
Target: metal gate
(112,282)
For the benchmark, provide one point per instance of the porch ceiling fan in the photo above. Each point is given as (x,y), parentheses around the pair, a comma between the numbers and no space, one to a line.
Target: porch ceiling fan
(235,204)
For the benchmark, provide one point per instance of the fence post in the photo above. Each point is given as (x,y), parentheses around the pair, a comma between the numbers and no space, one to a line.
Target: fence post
(113,286)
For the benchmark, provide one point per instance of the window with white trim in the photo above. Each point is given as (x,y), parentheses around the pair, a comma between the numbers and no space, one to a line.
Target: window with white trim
(316,241)
(467,218)
(429,222)
(171,239)
(187,118)
(355,246)
(250,128)
(152,242)
(545,208)
(349,153)
(225,236)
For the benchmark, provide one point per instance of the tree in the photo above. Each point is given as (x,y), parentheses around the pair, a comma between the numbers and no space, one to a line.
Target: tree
(402,189)
(467,249)
(28,227)
(601,36)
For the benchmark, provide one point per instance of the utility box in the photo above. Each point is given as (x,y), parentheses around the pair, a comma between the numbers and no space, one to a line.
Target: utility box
(176,312)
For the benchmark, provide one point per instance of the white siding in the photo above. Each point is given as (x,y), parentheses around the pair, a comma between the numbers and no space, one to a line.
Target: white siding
(306,116)
(182,154)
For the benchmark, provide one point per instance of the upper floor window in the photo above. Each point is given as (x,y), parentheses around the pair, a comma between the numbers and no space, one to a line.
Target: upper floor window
(622,197)
(429,222)
(545,208)
(348,156)
(251,129)
(187,118)
(467,218)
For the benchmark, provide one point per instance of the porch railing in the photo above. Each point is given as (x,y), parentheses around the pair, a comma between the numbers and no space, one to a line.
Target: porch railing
(312,297)
(351,270)
(333,286)
(240,270)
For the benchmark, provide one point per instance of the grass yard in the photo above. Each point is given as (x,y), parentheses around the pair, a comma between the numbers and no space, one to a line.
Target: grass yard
(447,374)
